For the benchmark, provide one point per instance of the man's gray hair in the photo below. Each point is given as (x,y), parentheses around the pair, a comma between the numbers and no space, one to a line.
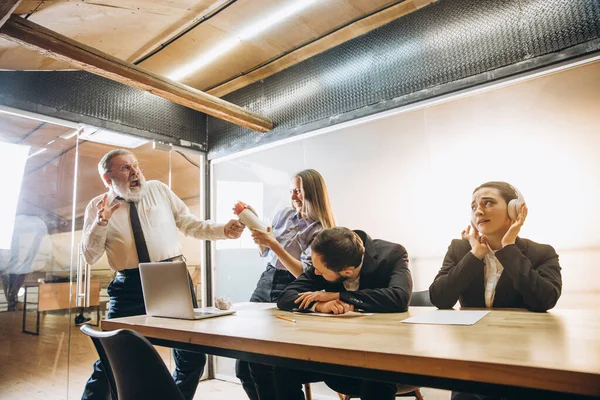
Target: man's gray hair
(105,161)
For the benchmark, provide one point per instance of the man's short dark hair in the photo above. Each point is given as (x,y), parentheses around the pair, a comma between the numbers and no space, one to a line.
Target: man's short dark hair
(338,248)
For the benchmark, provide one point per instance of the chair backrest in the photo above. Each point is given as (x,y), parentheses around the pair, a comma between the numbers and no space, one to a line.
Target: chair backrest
(133,367)
(420,299)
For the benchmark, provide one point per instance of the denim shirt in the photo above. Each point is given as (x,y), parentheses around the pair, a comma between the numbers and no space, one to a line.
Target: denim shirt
(295,235)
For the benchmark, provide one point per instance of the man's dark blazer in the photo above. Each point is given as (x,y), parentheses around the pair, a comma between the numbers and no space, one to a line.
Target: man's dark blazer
(531,278)
(385,280)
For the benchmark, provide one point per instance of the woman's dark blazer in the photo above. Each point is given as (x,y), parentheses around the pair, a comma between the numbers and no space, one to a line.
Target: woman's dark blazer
(531,278)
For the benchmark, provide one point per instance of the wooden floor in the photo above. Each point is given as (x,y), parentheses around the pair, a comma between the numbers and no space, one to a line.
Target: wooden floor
(44,367)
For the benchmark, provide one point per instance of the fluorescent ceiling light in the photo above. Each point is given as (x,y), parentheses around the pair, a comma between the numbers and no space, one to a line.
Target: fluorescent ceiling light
(40,151)
(250,31)
(112,138)
(37,117)
(13,158)
(70,135)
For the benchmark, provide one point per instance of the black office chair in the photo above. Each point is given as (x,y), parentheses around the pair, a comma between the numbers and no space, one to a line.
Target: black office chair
(133,367)
(403,391)
(420,299)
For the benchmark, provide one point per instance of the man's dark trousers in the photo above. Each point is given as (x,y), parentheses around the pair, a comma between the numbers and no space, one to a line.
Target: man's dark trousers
(126,300)
(288,385)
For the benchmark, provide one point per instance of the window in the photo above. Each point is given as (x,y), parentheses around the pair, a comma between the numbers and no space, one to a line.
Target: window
(12,161)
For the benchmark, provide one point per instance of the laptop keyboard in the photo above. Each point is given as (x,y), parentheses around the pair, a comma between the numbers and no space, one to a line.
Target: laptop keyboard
(202,313)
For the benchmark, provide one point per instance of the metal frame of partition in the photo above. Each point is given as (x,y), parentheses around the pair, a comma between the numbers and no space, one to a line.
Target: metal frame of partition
(209,252)
(37,310)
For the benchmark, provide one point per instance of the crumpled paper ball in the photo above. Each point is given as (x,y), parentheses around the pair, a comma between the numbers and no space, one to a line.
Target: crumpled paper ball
(223,303)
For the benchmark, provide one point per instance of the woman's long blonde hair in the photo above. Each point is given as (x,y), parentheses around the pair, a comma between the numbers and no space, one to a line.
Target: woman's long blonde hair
(316,204)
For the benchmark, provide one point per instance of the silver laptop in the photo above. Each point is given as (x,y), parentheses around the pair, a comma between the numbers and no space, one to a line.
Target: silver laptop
(167,292)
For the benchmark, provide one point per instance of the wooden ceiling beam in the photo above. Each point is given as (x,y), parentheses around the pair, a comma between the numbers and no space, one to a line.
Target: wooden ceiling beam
(7,7)
(55,45)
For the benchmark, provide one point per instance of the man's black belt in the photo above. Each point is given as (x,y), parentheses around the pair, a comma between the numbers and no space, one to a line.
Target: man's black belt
(136,271)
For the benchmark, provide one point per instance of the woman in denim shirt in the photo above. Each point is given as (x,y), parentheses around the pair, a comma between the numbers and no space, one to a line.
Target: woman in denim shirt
(286,247)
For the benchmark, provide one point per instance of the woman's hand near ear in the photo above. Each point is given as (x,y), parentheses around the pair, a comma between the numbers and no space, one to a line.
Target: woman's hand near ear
(511,235)
(478,243)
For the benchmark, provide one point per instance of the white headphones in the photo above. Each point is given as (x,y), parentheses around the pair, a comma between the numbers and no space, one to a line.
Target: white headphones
(515,204)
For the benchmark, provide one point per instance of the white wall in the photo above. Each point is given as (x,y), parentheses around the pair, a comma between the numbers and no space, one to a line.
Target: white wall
(408,178)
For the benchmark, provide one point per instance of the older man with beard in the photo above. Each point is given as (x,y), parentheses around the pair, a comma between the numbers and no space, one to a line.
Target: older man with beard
(137,221)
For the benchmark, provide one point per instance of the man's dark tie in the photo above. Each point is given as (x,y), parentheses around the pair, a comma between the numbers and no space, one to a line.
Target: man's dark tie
(140,243)
(138,234)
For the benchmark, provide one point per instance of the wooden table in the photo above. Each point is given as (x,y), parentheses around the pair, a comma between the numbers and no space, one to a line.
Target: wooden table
(510,352)
(57,296)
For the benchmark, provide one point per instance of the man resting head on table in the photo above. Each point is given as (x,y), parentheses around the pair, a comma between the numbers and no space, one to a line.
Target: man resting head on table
(351,272)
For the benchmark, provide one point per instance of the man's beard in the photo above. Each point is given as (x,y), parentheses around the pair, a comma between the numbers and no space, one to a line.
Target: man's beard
(341,279)
(123,190)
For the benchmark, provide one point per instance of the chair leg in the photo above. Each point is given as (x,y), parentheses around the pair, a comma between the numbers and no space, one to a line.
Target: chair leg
(418,394)
(307,391)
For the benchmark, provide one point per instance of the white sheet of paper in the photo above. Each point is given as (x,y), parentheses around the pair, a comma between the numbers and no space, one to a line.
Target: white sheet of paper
(447,317)
(350,314)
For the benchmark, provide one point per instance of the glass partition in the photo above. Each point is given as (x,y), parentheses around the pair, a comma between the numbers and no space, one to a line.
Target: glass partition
(262,182)
(47,288)
(187,181)
(181,169)
(38,160)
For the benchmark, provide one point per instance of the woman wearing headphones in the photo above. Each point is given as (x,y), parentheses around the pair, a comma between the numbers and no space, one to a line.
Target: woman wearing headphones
(286,247)
(491,266)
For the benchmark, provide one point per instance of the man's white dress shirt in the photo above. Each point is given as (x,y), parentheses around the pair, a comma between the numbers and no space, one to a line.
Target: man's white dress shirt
(161,214)
(492,272)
